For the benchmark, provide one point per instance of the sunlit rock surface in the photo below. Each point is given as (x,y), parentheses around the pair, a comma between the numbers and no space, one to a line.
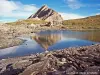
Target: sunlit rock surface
(71,61)
(47,14)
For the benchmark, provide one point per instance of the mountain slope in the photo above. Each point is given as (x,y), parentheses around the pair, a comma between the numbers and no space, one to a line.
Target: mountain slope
(92,22)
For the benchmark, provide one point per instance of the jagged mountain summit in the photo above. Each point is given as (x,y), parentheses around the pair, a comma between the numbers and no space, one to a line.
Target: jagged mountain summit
(47,14)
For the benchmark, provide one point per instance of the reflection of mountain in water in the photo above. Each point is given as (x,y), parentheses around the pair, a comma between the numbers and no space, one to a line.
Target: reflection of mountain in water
(47,40)
(89,35)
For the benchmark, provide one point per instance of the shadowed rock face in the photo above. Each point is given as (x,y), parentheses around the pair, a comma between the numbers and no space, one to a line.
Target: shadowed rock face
(47,14)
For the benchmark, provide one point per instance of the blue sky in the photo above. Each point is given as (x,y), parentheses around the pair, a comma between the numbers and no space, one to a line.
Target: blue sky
(12,10)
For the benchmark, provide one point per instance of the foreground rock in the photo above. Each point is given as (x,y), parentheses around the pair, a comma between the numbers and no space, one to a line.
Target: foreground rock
(82,61)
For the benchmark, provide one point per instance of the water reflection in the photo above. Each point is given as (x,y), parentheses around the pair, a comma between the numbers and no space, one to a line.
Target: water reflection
(47,40)
(62,39)
(27,48)
(51,40)
(8,51)
(85,35)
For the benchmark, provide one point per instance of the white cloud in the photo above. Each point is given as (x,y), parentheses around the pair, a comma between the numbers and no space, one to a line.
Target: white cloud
(29,7)
(74,4)
(16,10)
(67,16)
(97,13)
(7,6)
(17,14)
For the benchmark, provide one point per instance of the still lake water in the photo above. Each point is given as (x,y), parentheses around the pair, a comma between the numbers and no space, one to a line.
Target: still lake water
(52,40)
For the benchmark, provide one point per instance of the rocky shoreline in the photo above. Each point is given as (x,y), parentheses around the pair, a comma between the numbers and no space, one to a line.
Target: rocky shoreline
(9,33)
(70,61)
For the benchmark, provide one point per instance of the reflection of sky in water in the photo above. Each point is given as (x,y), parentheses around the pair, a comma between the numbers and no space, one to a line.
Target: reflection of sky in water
(8,50)
(70,42)
(57,40)
(29,47)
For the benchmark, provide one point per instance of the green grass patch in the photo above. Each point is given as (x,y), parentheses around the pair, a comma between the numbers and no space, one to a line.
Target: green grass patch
(28,21)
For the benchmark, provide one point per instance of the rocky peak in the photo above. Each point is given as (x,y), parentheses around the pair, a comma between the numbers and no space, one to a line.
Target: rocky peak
(44,7)
(48,14)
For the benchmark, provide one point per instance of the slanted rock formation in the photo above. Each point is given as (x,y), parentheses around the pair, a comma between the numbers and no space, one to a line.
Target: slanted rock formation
(47,14)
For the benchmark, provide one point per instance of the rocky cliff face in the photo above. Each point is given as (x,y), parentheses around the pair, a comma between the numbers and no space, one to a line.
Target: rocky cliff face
(47,14)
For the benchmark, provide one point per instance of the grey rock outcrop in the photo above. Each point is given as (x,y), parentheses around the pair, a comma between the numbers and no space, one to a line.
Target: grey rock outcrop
(47,14)
(70,61)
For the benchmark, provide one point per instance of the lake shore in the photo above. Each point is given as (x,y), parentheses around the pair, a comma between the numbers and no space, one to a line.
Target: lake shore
(77,60)
(9,33)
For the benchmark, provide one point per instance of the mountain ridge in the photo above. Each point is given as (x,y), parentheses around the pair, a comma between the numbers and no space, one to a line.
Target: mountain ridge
(47,14)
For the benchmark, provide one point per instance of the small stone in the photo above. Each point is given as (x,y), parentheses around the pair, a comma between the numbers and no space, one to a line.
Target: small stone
(63,59)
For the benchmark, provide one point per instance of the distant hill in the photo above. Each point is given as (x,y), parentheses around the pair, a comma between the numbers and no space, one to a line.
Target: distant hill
(92,22)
